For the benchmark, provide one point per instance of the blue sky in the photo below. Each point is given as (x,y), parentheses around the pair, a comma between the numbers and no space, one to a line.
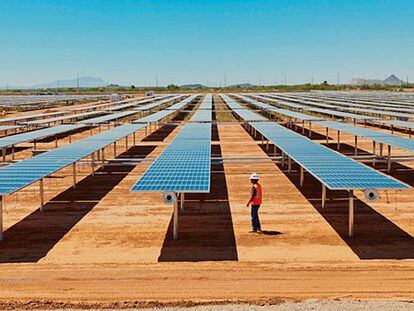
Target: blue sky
(129,42)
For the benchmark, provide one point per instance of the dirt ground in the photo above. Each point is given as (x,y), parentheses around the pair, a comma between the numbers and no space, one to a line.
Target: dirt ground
(101,246)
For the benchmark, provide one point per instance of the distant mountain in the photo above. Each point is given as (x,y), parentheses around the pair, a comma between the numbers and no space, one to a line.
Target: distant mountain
(83,82)
(391,80)
(193,86)
(241,85)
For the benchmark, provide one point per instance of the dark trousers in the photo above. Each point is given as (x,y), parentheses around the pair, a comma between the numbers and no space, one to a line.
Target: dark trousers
(255,217)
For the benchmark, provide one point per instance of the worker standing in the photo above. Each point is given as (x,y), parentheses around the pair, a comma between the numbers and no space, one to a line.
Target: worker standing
(254,202)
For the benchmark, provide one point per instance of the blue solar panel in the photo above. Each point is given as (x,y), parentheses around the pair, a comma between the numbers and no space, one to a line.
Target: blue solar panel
(381,137)
(63,118)
(184,166)
(155,117)
(332,169)
(21,174)
(288,113)
(29,136)
(242,112)
(203,114)
(110,117)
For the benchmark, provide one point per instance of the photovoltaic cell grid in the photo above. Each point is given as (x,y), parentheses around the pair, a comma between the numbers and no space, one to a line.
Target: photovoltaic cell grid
(109,117)
(155,117)
(32,116)
(157,103)
(184,166)
(63,118)
(21,174)
(203,114)
(381,137)
(242,112)
(30,136)
(287,113)
(332,169)
(329,112)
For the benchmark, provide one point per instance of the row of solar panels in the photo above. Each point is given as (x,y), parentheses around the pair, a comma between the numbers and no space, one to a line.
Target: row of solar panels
(184,166)
(21,174)
(378,136)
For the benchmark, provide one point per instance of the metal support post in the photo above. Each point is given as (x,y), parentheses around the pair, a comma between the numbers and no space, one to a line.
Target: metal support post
(356,145)
(175,226)
(327,133)
(374,149)
(126,143)
(134,138)
(323,195)
(74,175)
(41,194)
(115,149)
(310,129)
(12,153)
(389,159)
(339,141)
(302,176)
(182,200)
(3,153)
(289,164)
(303,127)
(56,142)
(93,163)
(351,214)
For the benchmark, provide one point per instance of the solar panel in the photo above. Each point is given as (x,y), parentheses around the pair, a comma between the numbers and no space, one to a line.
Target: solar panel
(63,118)
(155,117)
(184,166)
(21,174)
(38,134)
(288,113)
(242,112)
(32,116)
(381,137)
(109,117)
(203,114)
(332,169)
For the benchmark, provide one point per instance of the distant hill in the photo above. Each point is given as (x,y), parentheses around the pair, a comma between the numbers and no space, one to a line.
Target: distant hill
(241,85)
(193,86)
(83,82)
(391,80)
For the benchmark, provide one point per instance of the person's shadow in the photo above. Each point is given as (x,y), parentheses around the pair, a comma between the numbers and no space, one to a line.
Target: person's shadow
(273,233)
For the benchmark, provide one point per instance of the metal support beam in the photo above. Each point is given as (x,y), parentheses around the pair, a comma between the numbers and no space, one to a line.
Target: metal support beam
(374,150)
(126,143)
(356,145)
(56,142)
(12,153)
(323,195)
(389,159)
(310,129)
(41,194)
(114,149)
(175,225)
(327,137)
(134,138)
(351,214)
(303,127)
(93,163)
(381,149)
(74,175)
(302,176)
(182,201)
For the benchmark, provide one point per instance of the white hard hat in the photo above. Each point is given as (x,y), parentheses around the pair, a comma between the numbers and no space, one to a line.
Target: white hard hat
(254,176)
